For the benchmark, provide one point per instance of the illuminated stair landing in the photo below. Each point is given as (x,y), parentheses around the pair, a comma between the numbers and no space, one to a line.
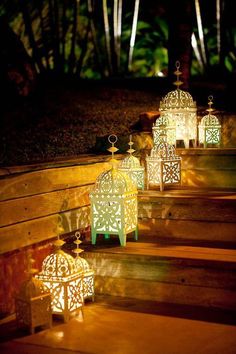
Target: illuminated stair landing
(186,253)
(192,214)
(166,273)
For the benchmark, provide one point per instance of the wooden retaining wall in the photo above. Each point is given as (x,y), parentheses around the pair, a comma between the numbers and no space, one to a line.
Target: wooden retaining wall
(37,203)
(40,201)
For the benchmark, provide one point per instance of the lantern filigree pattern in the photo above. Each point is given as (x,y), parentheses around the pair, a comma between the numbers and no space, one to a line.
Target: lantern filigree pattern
(180,114)
(162,127)
(33,303)
(114,203)
(88,273)
(64,280)
(131,166)
(163,166)
(209,128)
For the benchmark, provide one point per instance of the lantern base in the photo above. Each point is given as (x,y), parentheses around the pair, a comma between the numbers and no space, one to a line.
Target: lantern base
(34,313)
(66,316)
(122,236)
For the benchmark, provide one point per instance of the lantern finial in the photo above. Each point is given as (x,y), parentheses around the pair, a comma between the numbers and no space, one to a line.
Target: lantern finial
(58,243)
(130,143)
(77,242)
(31,271)
(177,72)
(210,103)
(112,140)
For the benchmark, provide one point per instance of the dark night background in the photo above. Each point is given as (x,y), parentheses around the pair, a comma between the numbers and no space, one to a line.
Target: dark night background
(66,82)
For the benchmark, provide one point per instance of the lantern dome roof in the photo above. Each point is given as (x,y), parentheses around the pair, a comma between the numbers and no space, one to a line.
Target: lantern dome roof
(81,263)
(115,182)
(130,162)
(32,288)
(59,264)
(210,120)
(162,120)
(177,99)
(163,151)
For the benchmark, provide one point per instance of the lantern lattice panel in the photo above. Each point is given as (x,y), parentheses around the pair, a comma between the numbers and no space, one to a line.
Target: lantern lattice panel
(130,214)
(163,166)
(114,204)
(67,295)
(209,128)
(88,278)
(64,280)
(88,273)
(132,167)
(171,171)
(113,215)
(107,214)
(164,126)
(89,286)
(136,175)
(34,312)
(213,136)
(33,301)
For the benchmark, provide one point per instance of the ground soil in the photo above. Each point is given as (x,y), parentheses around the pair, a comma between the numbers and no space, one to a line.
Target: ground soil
(64,119)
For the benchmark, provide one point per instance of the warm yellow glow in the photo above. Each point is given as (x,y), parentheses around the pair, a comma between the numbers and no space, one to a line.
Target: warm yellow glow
(178,115)
(64,280)
(33,305)
(163,166)
(114,204)
(131,166)
(209,128)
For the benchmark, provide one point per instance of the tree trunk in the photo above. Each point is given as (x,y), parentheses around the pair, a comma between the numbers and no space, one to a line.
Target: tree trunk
(17,69)
(180,18)
(73,38)
(43,33)
(29,31)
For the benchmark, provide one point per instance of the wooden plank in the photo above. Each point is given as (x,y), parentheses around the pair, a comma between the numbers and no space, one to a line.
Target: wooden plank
(166,292)
(48,180)
(83,159)
(194,208)
(26,208)
(30,232)
(159,268)
(216,161)
(208,178)
(188,229)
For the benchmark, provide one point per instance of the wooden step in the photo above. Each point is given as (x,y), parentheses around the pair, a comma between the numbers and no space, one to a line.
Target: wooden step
(168,273)
(198,214)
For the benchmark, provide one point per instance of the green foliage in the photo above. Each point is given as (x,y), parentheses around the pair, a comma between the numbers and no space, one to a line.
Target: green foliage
(88,58)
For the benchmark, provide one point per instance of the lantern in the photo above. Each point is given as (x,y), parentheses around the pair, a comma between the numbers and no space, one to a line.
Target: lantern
(88,273)
(33,303)
(114,209)
(65,281)
(163,165)
(162,127)
(131,166)
(209,128)
(180,113)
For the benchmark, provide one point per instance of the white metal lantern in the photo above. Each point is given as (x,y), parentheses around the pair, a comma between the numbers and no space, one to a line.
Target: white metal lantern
(209,128)
(180,112)
(163,165)
(114,206)
(162,127)
(131,166)
(65,281)
(88,273)
(33,303)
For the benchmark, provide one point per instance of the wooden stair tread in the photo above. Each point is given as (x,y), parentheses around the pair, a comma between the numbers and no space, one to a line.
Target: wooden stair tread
(171,251)
(186,193)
